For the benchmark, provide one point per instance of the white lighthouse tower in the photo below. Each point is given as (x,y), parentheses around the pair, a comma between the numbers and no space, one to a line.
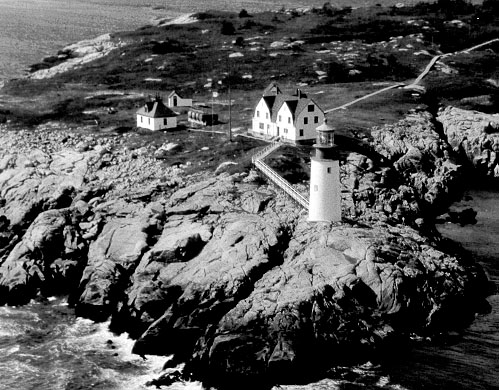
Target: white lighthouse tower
(325,190)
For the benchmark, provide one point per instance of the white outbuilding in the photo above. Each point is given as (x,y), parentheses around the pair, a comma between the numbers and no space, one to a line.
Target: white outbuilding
(154,115)
(175,100)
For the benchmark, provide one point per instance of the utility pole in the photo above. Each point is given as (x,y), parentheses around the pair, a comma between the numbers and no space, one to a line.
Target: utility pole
(230,115)
(230,100)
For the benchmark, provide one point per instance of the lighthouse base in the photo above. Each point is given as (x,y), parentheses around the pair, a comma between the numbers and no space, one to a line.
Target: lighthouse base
(325,190)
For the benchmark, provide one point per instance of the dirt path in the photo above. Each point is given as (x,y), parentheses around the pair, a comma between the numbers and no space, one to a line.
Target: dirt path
(344,106)
(416,82)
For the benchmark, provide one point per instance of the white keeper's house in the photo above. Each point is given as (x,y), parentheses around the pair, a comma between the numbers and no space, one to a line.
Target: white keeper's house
(292,118)
(154,115)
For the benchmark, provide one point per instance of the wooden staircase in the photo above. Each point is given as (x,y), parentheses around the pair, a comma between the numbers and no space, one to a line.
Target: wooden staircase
(274,178)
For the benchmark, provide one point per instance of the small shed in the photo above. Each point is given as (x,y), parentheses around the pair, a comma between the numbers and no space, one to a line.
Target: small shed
(154,115)
(175,100)
(202,117)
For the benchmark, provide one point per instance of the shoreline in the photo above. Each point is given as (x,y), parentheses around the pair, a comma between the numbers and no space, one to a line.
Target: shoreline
(88,50)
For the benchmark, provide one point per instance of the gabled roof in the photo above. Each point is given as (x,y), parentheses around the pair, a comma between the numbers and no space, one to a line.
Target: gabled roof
(272,89)
(174,93)
(281,99)
(295,104)
(269,101)
(275,99)
(155,109)
(303,103)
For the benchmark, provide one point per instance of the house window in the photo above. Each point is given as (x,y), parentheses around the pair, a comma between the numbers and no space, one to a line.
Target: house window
(301,132)
(329,170)
(165,121)
(310,108)
(141,119)
(289,119)
(266,115)
(268,127)
(148,121)
(316,188)
(305,121)
(280,118)
(261,126)
(316,119)
(285,131)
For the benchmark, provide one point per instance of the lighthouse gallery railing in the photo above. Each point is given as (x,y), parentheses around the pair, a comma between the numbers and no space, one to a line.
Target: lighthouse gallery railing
(274,177)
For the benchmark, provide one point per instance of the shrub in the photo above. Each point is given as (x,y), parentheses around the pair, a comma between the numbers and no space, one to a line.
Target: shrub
(243,14)
(227,28)
(239,41)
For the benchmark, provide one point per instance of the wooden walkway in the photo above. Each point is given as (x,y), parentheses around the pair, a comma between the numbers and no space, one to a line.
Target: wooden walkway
(425,72)
(274,177)
(344,106)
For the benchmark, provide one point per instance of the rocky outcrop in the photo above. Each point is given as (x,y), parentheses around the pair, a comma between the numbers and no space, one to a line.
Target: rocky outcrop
(475,137)
(31,183)
(224,273)
(47,258)
(338,295)
(112,258)
(422,156)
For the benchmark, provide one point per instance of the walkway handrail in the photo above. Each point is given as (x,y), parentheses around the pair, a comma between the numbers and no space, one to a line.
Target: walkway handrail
(274,177)
(282,183)
(266,151)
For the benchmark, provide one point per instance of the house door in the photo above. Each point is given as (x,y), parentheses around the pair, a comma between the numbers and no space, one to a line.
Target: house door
(174,101)
(277,134)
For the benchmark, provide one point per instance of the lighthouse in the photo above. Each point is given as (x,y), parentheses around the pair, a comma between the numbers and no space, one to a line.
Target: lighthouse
(325,191)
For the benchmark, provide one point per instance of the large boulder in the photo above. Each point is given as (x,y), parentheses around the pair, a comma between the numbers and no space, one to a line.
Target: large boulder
(112,258)
(475,136)
(337,297)
(31,183)
(242,248)
(48,258)
(423,158)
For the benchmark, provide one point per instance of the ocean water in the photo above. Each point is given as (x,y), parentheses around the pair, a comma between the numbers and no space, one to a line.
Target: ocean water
(43,346)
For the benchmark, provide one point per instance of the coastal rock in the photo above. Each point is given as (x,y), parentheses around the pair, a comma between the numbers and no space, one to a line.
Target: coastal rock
(48,252)
(421,156)
(242,248)
(112,258)
(226,273)
(339,288)
(38,182)
(80,53)
(474,136)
